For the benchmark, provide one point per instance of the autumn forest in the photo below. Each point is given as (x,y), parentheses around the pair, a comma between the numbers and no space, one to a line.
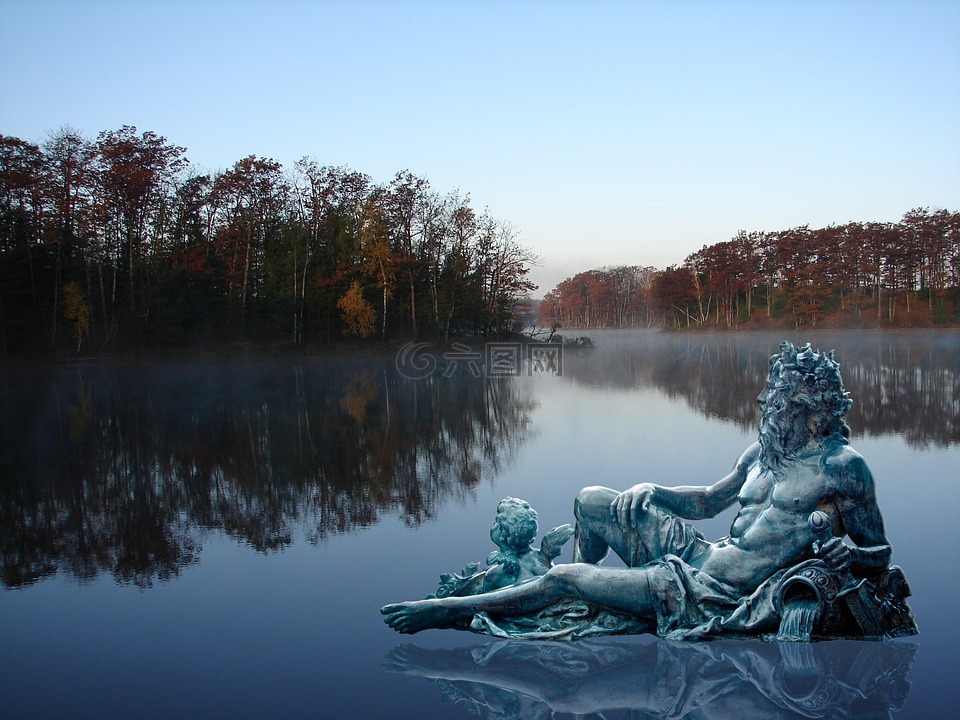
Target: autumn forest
(119,244)
(857,275)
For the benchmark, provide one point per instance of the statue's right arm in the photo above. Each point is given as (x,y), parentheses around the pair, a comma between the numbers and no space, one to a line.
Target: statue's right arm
(690,502)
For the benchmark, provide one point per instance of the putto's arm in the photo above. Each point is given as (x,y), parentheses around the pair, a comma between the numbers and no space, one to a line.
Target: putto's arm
(691,502)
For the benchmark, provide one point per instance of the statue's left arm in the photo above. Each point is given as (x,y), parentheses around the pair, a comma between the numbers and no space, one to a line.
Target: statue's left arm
(859,516)
(688,502)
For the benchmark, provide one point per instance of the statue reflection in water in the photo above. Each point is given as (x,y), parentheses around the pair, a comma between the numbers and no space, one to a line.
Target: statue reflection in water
(515,679)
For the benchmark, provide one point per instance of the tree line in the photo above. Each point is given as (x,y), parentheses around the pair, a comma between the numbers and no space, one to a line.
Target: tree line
(607,297)
(860,274)
(120,243)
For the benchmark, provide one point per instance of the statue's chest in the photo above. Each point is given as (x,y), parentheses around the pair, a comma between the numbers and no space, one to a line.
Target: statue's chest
(756,490)
(800,487)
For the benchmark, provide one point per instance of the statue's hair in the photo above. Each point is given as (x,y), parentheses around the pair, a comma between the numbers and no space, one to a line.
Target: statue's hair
(519,522)
(812,379)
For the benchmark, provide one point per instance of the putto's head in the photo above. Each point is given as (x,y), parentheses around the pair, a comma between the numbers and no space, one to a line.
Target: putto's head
(809,380)
(516,525)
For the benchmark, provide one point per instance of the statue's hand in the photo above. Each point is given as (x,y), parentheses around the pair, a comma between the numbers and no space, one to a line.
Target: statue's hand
(835,553)
(629,504)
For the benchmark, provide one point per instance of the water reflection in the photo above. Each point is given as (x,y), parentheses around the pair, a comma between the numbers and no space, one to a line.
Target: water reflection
(907,384)
(121,468)
(516,679)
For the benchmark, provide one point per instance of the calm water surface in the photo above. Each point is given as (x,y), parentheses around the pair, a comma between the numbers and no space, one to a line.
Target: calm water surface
(215,539)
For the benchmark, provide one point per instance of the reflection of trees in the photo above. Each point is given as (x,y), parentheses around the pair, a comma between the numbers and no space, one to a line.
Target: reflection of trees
(116,469)
(905,384)
(667,680)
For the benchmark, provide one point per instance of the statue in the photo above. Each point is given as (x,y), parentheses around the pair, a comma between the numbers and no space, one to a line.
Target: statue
(784,571)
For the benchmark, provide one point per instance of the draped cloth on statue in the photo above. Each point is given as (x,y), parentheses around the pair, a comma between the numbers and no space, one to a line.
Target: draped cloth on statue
(696,607)
(690,604)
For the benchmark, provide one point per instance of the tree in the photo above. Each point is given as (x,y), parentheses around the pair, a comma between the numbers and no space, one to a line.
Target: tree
(407,206)
(68,180)
(358,314)
(135,178)
(877,238)
(502,266)
(458,256)
(377,258)
(325,199)
(927,234)
(328,201)
(76,309)
(699,279)
(22,224)
(252,195)
(632,287)
(673,294)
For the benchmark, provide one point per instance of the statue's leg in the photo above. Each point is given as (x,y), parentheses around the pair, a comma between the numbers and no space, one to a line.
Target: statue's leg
(655,534)
(631,590)
(598,530)
(592,539)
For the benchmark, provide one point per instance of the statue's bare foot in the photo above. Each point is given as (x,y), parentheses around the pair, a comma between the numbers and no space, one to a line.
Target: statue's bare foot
(412,617)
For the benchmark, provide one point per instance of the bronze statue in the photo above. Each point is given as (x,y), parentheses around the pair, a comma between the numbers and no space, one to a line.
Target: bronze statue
(783,569)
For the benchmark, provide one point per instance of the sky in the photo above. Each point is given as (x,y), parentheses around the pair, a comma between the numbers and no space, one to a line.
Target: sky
(605,132)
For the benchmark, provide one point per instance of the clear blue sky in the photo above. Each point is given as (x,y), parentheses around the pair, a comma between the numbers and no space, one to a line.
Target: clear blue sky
(605,132)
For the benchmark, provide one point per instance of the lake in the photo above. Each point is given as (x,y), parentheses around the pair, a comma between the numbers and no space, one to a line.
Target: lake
(215,538)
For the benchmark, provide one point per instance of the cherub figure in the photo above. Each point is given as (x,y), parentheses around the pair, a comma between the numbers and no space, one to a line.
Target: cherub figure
(516,562)
(513,532)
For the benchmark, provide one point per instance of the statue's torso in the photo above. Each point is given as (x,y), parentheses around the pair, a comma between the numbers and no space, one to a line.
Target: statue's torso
(771,529)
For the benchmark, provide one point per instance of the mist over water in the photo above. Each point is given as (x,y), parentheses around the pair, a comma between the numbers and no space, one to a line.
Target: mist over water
(218,536)
(902,383)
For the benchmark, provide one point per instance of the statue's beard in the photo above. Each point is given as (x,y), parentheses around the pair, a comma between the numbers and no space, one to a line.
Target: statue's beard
(782,433)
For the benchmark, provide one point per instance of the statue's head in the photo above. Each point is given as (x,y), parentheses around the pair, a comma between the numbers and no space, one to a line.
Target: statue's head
(516,525)
(804,398)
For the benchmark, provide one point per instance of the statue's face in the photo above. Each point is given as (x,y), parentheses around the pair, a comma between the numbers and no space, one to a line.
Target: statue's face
(774,400)
(503,536)
(783,423)
(514,528)
(497,534)
(762,398)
